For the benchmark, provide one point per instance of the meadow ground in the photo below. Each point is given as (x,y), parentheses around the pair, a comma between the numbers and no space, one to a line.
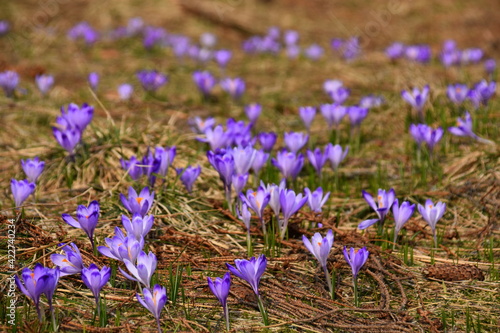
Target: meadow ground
(194,235)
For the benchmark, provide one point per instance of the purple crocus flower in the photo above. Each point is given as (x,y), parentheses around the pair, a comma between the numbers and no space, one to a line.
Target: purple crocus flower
(395,50)
(33,168)
(401,215)
(290,204)
(21,190)
(416,98)
(356,259)
(78,116)
(84,31)
(143,270)
(222,57)
(208,39)
(239,182)
(418,53)
(151,80)
(333,113)
(44,83)
(274,193)
(339,95)
(320,247)
(457,93)
(356,115)
(243,159)
(253,111)
(9,81)
(432,213)
(120,247)
(133,167)
(70,262)
(95,278)
(217,137)
(199,125)
(432,137)
(220,288)
(259,161)
(125,91)
(4,27)
(163,159)
(291,37)
(317,158)
(314,52)
(250,270)
(154,301)
(295,141)
(288,163)
(381,207)
(224,165)
(292,51)
(267,140)
(482,92)
(138,226)
(42,280)
(315,199)
(490,65)
(138,203)
(86,219)
(471,56)
(93,80)
(204,55)
(371,101)
(234,87)
(205,82)
(67,135)
(257,201)
(188,176)
(464,128)
(335,155)
(307,114)
(153,36)
(245,215)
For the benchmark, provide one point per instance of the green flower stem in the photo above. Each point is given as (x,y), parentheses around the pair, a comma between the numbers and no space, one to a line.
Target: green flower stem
(158,325)
(226,315)
(328,280)
(263,312)
(355,285)
(249,244)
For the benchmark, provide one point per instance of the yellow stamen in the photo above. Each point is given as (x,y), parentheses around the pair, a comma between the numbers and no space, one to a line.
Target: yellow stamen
(139,199)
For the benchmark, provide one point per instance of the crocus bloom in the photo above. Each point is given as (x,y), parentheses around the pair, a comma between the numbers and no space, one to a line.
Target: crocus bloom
(250,270)
(356,259)
(418,53)
(295,141)
(220,288)
(336,155)
(4,27)
(33,168)
(288,163)
(234,87)
(317,158)
(21,190)
(138,226)
(292,51)
(243,159)
(274,192)
(333,113)
(416,98)
(267,140)
(224,165)
(204,81)
(199,125)
(154,301)
(93,80)
(256,200)
(239,182)
(315,199)
(307,114)
(245,215)
(217,137)
(70,262)
(291,37)
(133,167)
(490,65)
(482,92)
(320,246)
(164,158)
(125,91)
(418,132)
(42,280)
(87,219)
(143,270)
(290,204)
(84,31)
(432,214)
(44,83)
(9,81)
(384,200)
(253,111)
(259,161)
(339,95)
(371,101)
(457,93)
(401,215)
(95,278)
(188,176)
(120,247)
(464,128)
(66,134)
(78,116)
(432,137)
(151,80)
(138,203)
(222,57)
(356,115)
(314,52)
(395,50)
